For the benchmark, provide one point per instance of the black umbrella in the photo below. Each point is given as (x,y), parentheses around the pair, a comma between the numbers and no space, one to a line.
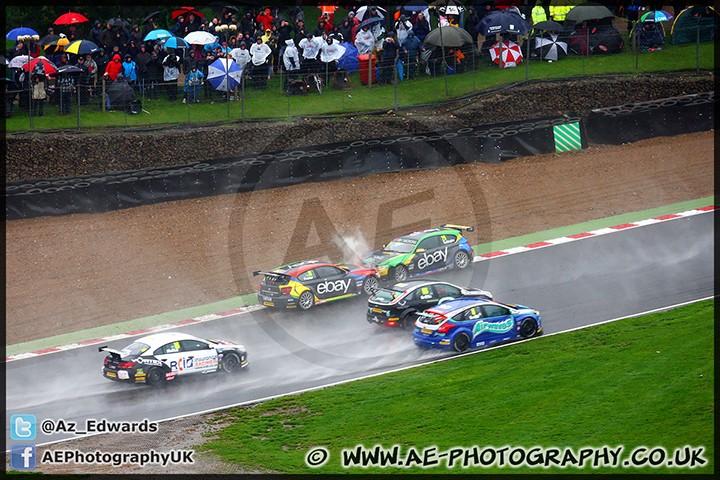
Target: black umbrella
(587,11)
(67,70)
(550,48)
(371,21)
(502,21)
(150,17)
(448,36)
(48,40)
(549,26)
(118,22)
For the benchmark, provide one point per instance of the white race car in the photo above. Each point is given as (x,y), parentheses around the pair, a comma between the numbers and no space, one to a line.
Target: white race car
(161,357)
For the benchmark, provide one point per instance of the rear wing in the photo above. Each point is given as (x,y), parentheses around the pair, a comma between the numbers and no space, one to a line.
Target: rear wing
(111,351)
(273,275)
(459,227)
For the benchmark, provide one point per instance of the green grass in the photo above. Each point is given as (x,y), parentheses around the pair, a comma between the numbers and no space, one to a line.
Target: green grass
(272,103)
(646,381)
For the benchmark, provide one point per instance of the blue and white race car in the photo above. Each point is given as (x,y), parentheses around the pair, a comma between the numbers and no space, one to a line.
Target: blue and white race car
(473,322)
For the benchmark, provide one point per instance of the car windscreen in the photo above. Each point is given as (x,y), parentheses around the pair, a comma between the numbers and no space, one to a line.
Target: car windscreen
(385,296)
(399,247)
(134,349)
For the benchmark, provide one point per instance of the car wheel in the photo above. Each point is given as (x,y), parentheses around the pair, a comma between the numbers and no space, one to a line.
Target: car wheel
(461,342)
(462,259)
(370,285)
(528,328)
(155,377)
(306,300)
(401,273)
(231,363)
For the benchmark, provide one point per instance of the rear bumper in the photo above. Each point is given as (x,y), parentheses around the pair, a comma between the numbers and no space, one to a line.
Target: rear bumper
(280,301)
(123,376)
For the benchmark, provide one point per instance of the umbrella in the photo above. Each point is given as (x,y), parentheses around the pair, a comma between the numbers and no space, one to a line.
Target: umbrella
(49,40)
(587,11)
(502,21)
(20,32)
(82,47)
(448,7)
(175,42)
(186,11)
(67,69)
(224,74)
(448,36)
(70,18)
(199,37)
(219,5)
(151,16)
(118,22)
(371,21)
(48,66)
(656,16)
(550,48)
(360,14)
(549,26)
(19,61)
(157,35)
(416,6)
(511,54)
(349,60)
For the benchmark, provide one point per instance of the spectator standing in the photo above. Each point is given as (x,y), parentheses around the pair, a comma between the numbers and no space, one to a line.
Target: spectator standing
(178,29)
(402,26)
(95,33)
(84,84)
(421,27)
(193,82)
(260,53)
(141,60)
(346,30)
(114,67)
(388,61)
(93,69)
(66,85)
(171,73)
(310,48)
(136,35)
(74,34)
(301,32)
(241,55)
(108,39)
(364,40)
(265,18)
(102,60)
(39,92)
(130,71)
(155,72)
(412,48)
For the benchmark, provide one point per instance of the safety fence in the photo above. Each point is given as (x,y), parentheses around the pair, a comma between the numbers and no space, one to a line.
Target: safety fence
(378,84)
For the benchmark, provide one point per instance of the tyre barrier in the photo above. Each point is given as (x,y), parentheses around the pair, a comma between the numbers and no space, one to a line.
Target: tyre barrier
(111,191)
(659,118)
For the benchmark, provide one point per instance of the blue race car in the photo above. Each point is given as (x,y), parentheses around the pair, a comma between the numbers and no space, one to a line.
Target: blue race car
(473,322)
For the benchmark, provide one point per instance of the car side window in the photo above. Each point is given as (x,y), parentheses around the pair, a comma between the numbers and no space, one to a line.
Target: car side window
(307,275)
(447,239)
(328,271)
(473,313)
(444,290)
(495,311)
(192,345)
(430,242)
(425,293)
(173,347)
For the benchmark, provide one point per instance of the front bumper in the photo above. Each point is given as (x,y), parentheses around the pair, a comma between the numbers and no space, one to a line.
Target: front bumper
(422,340)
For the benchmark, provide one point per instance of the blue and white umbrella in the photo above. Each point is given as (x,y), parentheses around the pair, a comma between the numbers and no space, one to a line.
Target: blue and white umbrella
(224,74)
(15,33)
(175,42)
(157,35)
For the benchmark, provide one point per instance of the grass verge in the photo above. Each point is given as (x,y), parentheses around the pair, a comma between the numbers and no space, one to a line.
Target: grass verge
(645,381)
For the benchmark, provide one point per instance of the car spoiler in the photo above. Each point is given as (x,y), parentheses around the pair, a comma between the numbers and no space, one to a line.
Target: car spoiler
(111,351)
(270,274)
(459,227)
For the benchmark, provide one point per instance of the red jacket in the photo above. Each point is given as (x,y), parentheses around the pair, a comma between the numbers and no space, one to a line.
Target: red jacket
(266,19)
(114,67)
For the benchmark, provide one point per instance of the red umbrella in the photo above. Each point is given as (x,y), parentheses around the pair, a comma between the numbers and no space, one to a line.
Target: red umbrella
(186,11)
(511,54)
(47,66)
(70,18)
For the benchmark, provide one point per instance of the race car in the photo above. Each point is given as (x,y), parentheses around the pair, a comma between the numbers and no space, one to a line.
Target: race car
(162,357)
(399,304)
(422,252)
(473,322)
(305,284)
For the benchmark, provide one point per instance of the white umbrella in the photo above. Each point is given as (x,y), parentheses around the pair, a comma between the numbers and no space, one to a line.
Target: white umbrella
(19,61)
(224,74)
(511,53)
(199,37)
(550,48)
(360,14)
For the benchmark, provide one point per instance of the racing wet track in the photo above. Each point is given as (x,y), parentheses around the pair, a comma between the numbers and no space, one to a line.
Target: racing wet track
(573,284)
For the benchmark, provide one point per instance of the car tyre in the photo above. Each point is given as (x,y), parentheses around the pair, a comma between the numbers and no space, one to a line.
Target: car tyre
(370,285)
(408,320)
(461,342)
(306,300)
(155,377)
(528,328)
(231,363)
(462,259)
(401,273)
